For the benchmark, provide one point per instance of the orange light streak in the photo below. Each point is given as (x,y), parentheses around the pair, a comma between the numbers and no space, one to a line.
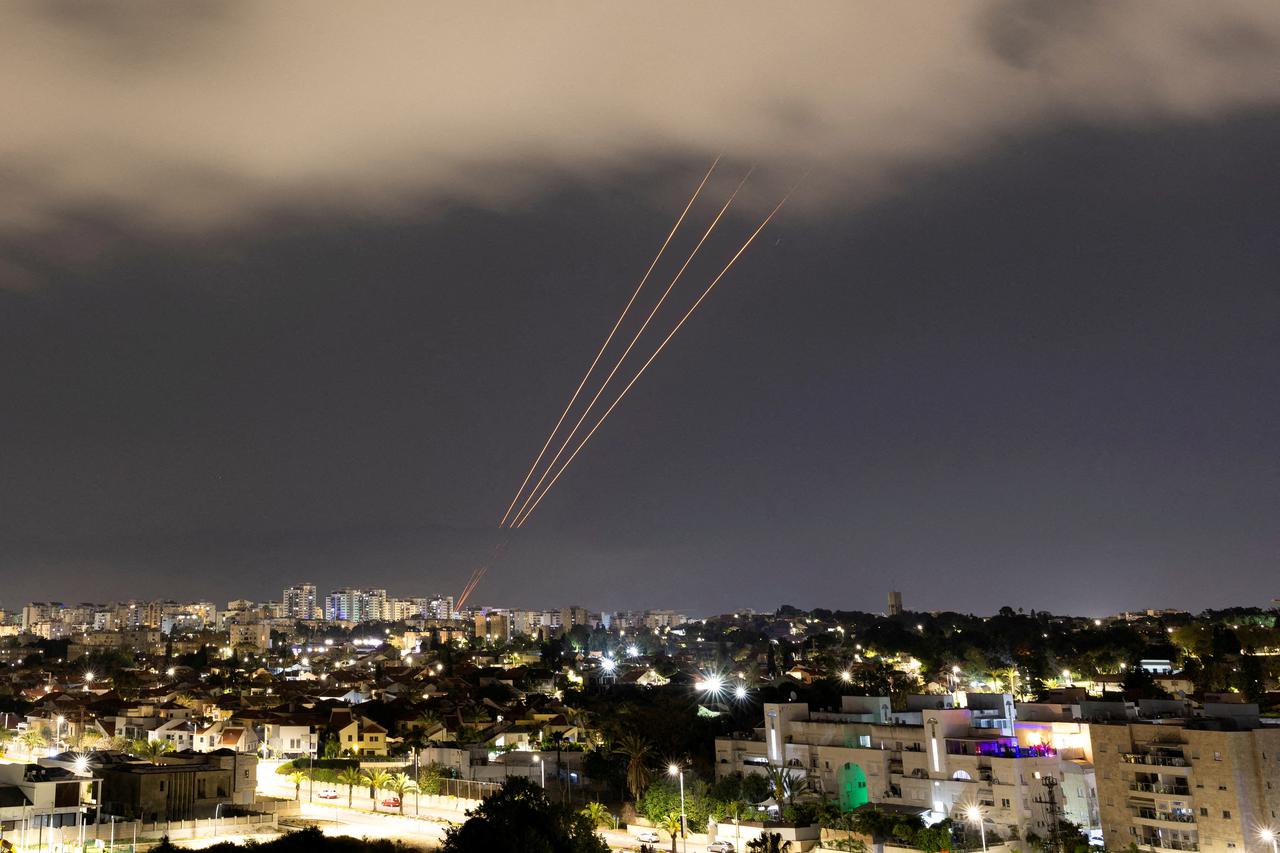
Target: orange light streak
(607,340)
(525,513)
(618,364)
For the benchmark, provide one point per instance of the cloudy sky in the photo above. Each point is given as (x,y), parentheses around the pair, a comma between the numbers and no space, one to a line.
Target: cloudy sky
(295,290)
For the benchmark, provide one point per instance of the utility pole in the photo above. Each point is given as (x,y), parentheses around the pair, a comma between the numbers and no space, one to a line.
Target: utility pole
(1050,799)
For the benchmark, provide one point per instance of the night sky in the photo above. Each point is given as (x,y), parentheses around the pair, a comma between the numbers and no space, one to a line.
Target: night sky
(1037,367)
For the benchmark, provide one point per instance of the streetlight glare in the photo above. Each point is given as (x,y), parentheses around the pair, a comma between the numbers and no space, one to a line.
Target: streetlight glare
(740,692)
(973,813)
(673,769)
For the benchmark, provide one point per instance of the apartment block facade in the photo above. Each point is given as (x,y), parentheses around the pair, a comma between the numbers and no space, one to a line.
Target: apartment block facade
(1191,784)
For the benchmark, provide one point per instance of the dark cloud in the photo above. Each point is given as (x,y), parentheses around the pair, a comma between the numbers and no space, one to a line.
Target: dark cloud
(291,291)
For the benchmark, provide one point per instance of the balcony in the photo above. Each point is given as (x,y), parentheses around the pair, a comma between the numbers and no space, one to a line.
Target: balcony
(1158,843)
(1157,788)
(1178,816)
(1154,760)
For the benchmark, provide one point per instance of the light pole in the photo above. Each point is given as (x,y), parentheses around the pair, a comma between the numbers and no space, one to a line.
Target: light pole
(1268,836)
(217,810)
(542,770)
(57,736)
(974,814)
(677,770)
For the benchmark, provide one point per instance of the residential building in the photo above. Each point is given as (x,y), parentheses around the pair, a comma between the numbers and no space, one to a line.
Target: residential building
(358,735)
(254,635)
(493,626)
(1205,783)
(49,797)
(895,603)
(933,759)
(300,601)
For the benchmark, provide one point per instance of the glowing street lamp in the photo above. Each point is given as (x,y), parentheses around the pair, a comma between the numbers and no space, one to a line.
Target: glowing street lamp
(740,692)
(1268,836)
(633,651)
(542,770)
(609,665)
(846,676)
(974,815)
(677,770)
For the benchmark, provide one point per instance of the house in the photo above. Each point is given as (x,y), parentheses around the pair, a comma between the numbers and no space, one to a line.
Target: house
(51,796)
(357,735)
(178,733)
(221,735)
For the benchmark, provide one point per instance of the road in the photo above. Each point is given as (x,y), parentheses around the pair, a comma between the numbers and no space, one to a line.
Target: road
(423,823)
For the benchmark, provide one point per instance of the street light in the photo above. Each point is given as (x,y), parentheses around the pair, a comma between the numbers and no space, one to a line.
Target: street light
(677,770)
(542,770)
(974,814)
(1268,836)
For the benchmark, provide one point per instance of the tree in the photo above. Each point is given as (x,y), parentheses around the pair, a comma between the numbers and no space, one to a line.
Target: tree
(377,780)
(150,750)
(769,842)
(429,778)
(6,737)
(598,814)
(332,749)
(520,819)
(401,785)
(350,776)
(671,824)
(297,777)
(637,751)
(34,739)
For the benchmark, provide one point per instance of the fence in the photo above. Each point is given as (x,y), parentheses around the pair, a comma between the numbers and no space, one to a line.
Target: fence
(178,830)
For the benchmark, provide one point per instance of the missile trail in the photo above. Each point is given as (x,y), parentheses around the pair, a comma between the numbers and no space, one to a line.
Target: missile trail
(618,364)
(607,339)
(525,513)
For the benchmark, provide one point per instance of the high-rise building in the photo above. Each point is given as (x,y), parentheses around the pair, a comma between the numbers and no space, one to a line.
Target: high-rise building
(300,601)
(440,607)
(347,605)
(895,603)
(493,626)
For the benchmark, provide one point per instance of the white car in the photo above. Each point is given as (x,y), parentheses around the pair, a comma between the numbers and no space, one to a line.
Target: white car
(648,837)
(720,847)
(328,794)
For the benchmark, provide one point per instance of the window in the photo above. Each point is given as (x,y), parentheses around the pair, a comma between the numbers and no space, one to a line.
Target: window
(1222,787)
(1204,812)
(1226,815)
(1217,756)
(161,784)
(1004,804)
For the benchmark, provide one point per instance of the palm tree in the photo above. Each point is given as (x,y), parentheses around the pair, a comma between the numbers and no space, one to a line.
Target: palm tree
(671,825)
(297,777)
(769,842)
(377,780)
(429,722)
(638,751)
(598,814)
(150,750)
(785,785)
(401,784)
(6,736)
(350,776)
(34,739)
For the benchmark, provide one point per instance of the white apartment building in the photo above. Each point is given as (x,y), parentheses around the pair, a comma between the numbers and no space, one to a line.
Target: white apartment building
(932,758)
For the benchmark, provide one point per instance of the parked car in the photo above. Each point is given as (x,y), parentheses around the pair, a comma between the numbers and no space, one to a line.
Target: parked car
(328,794)
(648,837)
(720,847)
(392,802)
